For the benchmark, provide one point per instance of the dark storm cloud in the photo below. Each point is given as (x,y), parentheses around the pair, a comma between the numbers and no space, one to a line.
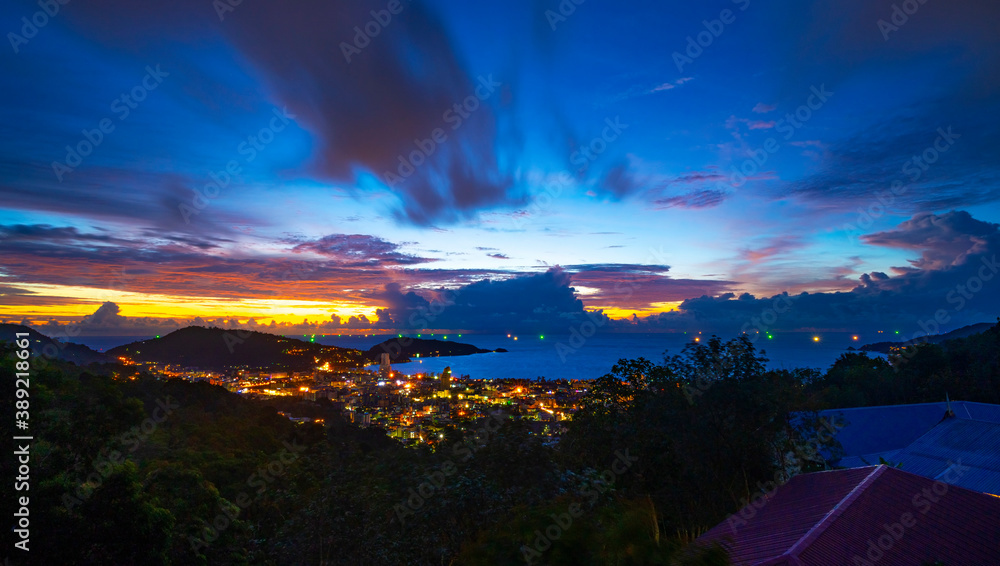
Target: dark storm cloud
(532,303)
(945,240)
(956,43)
(365,112)
(938,161)
(133,198)
(956,277)
(838,39)
(44,232)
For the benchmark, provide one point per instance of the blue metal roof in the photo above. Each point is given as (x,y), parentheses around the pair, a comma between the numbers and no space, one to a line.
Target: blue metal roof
(877,430)
(976,411)
(970,449)
(869,432)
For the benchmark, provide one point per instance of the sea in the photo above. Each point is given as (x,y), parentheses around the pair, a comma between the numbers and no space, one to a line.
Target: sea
(575,357)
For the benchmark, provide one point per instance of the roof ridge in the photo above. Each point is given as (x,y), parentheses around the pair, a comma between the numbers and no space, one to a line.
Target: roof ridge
(965,406)
(834,513)
(888,406)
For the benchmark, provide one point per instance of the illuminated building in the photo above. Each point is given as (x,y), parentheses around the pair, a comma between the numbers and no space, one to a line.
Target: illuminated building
(384,369)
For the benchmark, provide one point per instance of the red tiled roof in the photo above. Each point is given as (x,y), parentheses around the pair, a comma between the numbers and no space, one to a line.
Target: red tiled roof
(865,516)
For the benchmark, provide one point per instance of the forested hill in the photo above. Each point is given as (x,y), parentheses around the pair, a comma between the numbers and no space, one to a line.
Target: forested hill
(405,349)
(964,332)
(50,348)
(217,348)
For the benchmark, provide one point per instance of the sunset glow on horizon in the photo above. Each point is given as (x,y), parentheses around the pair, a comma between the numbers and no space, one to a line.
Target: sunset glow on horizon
(606,171)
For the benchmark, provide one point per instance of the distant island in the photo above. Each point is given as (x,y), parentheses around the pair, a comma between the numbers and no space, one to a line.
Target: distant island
(965,331)
(51,348)
(404,349)
(219,349)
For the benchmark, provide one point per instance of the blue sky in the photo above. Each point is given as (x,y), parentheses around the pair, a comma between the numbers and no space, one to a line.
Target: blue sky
(832,104)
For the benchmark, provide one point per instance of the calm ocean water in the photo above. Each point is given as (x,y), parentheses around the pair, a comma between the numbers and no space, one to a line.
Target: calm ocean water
(557,357)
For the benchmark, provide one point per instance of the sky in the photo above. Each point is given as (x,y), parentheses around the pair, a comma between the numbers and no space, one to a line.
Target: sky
(532,165)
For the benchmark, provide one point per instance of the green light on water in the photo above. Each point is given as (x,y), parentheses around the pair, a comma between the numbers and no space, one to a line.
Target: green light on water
(541,337)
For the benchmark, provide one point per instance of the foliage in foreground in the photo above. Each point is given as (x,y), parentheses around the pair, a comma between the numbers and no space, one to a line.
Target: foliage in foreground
(140,471)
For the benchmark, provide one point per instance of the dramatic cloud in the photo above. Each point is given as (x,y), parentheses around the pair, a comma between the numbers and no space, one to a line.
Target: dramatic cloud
(948,55)
(336,267)
(366,103)
(107,321)
(358,249)
(955,282)
(533,303)
(258,173)
(629,286)
(945,241)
